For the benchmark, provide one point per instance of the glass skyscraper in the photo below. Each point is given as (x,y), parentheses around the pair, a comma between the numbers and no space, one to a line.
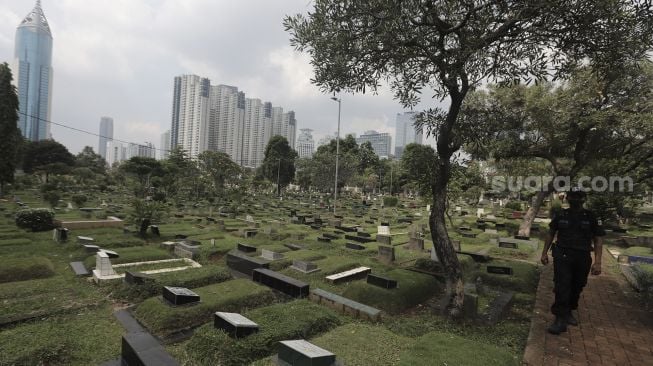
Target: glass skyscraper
(33,74)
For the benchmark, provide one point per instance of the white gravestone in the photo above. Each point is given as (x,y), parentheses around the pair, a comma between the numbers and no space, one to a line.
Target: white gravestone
(383,230)
(480,212)
(103,264)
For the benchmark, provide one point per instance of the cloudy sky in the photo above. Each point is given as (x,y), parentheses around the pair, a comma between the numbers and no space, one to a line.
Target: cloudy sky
(118,58)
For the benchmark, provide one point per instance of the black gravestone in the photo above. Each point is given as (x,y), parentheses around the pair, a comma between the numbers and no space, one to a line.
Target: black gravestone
(354,246)
(323,239)
(499,270)
(136,278)
(381,281)
(179,295)
(303,353)
(142,349)
(242,263)
(90,248)
(522,237)
(293,246)
(246,248)
(235,325)
(364,234)
(283,283)
(504,244)
(181,236)
(155,230)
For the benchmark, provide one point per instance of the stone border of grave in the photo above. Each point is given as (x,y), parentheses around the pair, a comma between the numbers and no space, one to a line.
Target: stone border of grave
(111,221)
(97,277)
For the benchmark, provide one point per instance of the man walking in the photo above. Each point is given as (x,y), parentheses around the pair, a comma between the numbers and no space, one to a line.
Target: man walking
(576,229)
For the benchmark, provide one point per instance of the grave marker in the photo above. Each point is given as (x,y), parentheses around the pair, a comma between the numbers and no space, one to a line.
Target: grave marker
(241,262)
(234,324)
(246,248)
(180,295)
(499,270)
(352,274)
(280,282)
(386,254)
(270,255)
(141,348)
(381,281)
(305,267)
(136,278)
(354,246)
(303,353)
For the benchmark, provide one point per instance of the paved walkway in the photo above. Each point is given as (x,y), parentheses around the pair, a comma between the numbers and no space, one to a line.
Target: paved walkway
(613,330)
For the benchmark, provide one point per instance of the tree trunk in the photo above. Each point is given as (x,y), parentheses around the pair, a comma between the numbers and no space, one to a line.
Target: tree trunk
(442,243)
(538,199)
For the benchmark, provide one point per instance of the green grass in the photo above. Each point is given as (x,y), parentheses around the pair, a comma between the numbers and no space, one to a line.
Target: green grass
(230,296)
(639,251)
(295,320)
(88,337)
(524,278)
(413,289)
(21,269)
(9,241)
(442,349)
(133,254)
(150,266)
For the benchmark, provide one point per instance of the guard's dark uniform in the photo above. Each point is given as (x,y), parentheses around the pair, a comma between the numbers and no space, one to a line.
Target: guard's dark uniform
(572,258)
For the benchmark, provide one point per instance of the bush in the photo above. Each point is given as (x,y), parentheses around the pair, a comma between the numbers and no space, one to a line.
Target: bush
(644,275)
(36,219)
(52,197)
(231,296)
(79,199)
(299,319)
(21,269)
(390,201)
(514,205)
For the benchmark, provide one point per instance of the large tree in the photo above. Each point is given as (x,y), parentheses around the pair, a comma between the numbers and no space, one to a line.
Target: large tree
(452,47)
(47,157)
(221,170)
(572,126)
(87,158)
(8,127)
(279,162)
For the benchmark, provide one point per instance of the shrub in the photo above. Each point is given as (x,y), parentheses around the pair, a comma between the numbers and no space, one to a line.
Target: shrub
(36,219)
(299,319)
(390,201)
(230,296)
(52,197)
(20,269)
(79,199)
(644,275)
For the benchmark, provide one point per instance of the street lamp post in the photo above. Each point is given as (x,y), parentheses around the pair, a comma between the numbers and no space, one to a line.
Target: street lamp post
(335,191)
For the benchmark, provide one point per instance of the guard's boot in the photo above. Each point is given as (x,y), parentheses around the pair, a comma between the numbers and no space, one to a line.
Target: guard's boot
(558,326)
(571,320)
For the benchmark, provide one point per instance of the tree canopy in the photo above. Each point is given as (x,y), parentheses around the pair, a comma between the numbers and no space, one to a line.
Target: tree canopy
(11,137)
(279,162)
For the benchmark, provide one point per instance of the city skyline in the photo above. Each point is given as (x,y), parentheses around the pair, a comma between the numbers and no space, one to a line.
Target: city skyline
(121,66)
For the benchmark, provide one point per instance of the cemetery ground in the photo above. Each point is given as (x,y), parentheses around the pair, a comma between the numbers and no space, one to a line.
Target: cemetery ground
(365,291)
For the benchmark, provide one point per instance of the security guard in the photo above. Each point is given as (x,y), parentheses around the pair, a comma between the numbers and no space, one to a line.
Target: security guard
(576,229)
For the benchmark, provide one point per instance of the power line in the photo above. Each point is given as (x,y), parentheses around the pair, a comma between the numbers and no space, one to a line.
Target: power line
(88,132)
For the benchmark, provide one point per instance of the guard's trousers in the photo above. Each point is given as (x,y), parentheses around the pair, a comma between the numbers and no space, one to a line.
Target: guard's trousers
(571,268)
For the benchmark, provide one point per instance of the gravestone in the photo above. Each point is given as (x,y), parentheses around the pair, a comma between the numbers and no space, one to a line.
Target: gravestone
(304,266)
(303,353)
(180,295)
(499,270)
(181,236)
(142,349)
(270,255)
(103,265)
(383,235)
(60,234)
(293,246)
(169,245)
(242,263)
(352,274)
(136,278)
(381,281)
(416,243)
(85,240)
(354,246)
(280,282)
(154,229)
(234,324)
(246,248)
(90,248)
(506,244)
(386,254)
(80,269)
(470,305)
(110,253)
(522,237)
(323,239)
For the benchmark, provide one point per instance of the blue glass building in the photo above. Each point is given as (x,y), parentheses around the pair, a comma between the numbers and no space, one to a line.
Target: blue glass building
(33,74)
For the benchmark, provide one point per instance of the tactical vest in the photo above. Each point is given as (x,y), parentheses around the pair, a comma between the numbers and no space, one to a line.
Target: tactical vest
(575,229)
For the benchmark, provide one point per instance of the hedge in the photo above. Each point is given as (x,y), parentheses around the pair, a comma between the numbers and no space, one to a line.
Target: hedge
(300,319)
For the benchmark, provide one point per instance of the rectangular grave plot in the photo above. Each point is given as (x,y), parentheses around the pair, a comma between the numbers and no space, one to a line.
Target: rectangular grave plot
(323,239)
(499,270)
(351,275)
(142,349)
(246,248)
(303,353)
(293,246)
(180,295)
(505,244)
(235,325)
(242,263)
(381,281)
(354,246)
(279,282)
(305,266)
(363,234)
